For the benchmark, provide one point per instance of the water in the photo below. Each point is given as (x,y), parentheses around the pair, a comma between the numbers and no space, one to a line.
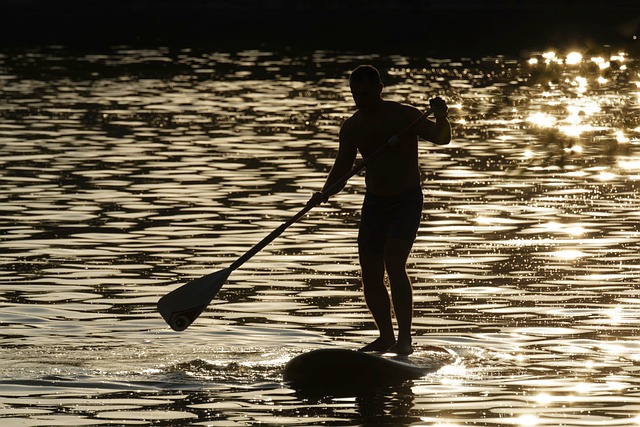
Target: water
(128,172)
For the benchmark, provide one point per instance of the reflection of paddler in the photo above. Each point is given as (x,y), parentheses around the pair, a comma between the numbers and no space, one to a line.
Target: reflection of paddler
(340,367)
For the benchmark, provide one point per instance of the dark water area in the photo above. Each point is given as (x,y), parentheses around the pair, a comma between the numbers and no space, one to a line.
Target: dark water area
(442,28)
(127,170)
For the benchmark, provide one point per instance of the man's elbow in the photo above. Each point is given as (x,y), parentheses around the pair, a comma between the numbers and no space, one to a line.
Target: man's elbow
(443,140)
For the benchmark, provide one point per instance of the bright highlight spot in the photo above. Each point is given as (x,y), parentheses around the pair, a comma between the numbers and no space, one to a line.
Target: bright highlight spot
(541,119)
(616,385)
(484,220)
(604,65)
(583,388)
(613,348)
(615,315)
(621,138)
(574,58)
(577,148)
(629,164)
(544,399)
(581,83)
(527,420)
(575,130)
(619,57)
(550,57)
(606,176)
(574,230)
(569,254)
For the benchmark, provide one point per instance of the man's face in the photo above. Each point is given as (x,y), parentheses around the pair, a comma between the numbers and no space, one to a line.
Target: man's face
(366,94)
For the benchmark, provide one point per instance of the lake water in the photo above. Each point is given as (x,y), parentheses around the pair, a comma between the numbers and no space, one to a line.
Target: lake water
(128,172)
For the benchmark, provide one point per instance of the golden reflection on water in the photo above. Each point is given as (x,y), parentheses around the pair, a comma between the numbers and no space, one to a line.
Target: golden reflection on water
(127,173)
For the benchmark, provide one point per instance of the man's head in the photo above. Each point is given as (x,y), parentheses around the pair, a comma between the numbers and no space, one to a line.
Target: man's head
(366,87)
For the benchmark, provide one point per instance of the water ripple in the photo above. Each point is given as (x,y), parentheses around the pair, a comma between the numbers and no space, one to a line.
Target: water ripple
(126,173)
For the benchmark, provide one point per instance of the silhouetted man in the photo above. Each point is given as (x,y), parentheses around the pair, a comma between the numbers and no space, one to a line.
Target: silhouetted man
(392,206)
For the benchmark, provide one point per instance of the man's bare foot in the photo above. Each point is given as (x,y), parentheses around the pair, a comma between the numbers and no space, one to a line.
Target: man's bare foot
(380,344)
(401,348)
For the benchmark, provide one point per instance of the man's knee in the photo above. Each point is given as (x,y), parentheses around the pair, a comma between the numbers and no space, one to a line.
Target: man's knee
(397,251)
(371,261)
(372,276)
(397,275)
(395,260)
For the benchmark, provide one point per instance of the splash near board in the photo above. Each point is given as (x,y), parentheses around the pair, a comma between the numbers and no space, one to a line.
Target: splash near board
(339,367)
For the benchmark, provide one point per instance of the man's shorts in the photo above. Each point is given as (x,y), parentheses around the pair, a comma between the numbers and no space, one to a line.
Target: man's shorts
(385,217)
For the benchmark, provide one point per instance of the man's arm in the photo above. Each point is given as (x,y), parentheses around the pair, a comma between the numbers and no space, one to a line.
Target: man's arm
(439,132)
(343,163)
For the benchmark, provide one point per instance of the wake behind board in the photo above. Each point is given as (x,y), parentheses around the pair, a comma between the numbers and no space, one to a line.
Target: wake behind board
(340,367)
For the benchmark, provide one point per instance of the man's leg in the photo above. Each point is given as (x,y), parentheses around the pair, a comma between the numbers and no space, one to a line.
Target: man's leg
(377,299)
(395,259)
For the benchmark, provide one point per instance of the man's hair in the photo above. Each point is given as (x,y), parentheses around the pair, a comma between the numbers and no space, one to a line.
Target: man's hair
(365,73)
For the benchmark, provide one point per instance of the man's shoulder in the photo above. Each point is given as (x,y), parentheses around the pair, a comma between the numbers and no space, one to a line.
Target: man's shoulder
(351,122)
(402,109)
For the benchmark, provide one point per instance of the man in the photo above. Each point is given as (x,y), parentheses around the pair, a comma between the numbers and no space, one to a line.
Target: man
(392,206)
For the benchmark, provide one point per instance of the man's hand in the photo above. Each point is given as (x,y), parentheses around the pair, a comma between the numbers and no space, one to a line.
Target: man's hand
(317,198)
(439,108)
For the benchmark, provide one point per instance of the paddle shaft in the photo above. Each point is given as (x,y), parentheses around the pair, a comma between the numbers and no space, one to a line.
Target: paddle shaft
(336,185)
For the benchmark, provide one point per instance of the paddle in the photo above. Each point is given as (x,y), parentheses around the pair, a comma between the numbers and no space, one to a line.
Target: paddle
(183,305)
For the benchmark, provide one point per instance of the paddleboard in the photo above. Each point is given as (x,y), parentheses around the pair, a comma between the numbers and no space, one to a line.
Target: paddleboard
(341,367)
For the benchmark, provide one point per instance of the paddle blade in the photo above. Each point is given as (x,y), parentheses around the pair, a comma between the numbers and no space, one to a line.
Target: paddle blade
(180,307)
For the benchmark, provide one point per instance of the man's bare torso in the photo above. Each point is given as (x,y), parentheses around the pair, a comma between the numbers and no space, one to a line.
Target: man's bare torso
(396,170)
